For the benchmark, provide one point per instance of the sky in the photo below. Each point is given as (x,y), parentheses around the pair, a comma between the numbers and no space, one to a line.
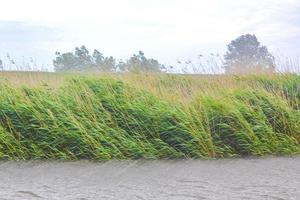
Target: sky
(167,30)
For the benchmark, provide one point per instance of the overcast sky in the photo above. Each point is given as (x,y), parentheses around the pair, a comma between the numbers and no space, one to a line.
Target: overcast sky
(164,29)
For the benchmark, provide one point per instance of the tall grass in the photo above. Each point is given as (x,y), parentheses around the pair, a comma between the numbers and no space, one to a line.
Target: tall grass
(148,116)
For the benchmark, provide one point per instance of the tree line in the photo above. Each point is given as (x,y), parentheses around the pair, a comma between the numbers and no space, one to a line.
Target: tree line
(82,60)
(244,54)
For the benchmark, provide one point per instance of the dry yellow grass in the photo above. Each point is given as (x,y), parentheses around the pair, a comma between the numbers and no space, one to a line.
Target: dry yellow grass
(170,87)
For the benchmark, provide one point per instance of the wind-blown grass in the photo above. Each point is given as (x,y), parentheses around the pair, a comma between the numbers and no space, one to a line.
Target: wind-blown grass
(149,116)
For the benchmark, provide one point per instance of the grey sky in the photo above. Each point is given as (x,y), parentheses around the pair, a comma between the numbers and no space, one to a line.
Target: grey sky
(164,29)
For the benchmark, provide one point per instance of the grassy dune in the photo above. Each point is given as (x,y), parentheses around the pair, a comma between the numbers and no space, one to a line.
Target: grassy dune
(130,116)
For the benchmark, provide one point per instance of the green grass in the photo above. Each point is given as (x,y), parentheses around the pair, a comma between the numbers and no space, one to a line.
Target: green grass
(150,116)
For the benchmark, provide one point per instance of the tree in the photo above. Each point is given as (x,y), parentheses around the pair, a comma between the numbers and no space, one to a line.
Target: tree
(82,60)
(104,63)
(109,64)
(246,55)
(98,57)
(138,62)
(83,56)
(65,62)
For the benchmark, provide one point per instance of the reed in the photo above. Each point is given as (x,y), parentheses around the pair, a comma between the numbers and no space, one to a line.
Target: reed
(150,116)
